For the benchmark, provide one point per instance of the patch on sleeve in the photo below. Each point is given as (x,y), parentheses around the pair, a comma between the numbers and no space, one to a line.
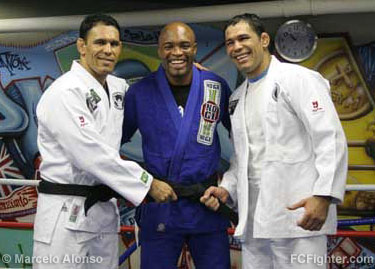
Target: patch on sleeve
(316,106)
(92,100)
(118,100)
(144,177)
(210,112)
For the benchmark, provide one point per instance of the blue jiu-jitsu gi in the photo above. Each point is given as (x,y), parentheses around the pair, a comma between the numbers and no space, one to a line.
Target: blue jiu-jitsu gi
(184,150)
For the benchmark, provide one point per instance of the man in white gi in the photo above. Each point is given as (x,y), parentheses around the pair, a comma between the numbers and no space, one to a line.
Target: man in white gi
(80,123)
(290,155)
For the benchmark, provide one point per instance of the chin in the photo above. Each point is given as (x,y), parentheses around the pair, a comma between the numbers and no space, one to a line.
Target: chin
(178,73)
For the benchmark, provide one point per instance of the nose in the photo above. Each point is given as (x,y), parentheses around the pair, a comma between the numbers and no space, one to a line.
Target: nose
(237,45)
(107,48)
(177,50)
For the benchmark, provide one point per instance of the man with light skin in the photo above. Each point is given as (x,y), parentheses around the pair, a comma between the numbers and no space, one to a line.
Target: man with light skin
(79,133)
(177,110)
(290,154)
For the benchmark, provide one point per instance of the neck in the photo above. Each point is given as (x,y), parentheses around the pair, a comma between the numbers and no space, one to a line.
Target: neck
(180,80)
(261,68)
(100,78)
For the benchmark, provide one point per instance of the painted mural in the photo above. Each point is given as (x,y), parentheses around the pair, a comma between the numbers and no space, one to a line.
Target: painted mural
(27,71)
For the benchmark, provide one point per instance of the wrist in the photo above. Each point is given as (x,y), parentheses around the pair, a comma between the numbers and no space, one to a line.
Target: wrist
(328,199)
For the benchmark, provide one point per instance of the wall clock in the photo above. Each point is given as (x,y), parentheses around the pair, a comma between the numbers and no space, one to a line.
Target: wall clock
(295,41)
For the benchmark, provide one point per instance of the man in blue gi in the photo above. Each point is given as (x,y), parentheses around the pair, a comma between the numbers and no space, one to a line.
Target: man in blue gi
(177,110)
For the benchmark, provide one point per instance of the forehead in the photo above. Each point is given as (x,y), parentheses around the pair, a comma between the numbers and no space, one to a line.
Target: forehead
(176,34)
(102,31)
(240,28)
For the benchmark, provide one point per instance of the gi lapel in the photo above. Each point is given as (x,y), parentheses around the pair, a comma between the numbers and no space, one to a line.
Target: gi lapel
(168,98)
(184,130)
(95,94)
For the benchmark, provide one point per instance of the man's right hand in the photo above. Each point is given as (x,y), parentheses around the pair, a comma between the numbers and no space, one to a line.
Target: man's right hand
(161,192)
(211,196)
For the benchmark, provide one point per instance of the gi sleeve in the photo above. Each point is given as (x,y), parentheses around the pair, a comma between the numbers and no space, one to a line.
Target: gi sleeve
(130,125)
(230,179)
(225,95)
(74,128)
(309,95)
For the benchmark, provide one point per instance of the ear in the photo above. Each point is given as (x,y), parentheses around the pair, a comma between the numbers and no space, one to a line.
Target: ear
(265,39)
(81,46)
(195,48)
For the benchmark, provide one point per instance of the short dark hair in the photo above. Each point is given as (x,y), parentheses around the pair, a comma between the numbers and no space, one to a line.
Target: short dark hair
(92,20)
(252,20)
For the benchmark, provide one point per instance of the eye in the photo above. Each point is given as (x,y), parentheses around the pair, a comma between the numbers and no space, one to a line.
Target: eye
(186,46)
(243,37)
(115,43)
(100,42)
(167,46)
(229,43)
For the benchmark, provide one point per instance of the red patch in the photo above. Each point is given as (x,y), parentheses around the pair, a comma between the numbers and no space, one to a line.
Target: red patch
(315,106)
(210,111)
(82,121)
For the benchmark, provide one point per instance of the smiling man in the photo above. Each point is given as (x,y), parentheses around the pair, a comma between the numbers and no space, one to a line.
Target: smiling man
(290,154)
(177,110)
(79,132)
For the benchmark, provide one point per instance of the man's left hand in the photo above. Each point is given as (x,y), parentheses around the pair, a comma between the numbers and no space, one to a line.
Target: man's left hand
(316,210)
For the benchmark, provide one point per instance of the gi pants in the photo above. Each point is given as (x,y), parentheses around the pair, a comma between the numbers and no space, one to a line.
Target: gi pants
(76,249)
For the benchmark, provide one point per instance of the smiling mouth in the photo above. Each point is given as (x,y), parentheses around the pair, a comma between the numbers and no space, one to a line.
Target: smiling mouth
(242,58)
(106,60)
(178,63)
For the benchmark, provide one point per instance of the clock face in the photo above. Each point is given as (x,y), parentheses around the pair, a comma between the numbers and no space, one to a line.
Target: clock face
(295,41)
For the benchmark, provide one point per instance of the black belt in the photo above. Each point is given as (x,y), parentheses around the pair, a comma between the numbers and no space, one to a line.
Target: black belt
(93,194)
(104,193)
(194,192)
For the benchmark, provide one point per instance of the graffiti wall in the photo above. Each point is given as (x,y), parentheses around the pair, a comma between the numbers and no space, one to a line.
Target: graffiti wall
(27,71)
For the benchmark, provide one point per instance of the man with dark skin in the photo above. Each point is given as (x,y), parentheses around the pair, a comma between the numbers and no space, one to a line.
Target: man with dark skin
(177,109)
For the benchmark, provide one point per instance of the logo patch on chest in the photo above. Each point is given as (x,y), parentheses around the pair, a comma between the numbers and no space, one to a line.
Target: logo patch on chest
(210,112)
(232,106)
(118,100)
(92,100)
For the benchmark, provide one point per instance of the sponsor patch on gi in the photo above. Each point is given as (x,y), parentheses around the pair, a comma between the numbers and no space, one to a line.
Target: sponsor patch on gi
(210,112)
(232,106)
(144,177)
(92,100)
(118,100)
(74,213)
(82,121)
(316,106)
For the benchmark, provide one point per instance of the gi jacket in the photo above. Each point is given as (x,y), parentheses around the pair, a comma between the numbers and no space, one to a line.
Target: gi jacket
(184,150)
(79,137)
(305,152)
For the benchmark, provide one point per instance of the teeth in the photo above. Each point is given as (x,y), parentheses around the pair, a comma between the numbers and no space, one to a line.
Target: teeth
(241,57)
(177,61)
